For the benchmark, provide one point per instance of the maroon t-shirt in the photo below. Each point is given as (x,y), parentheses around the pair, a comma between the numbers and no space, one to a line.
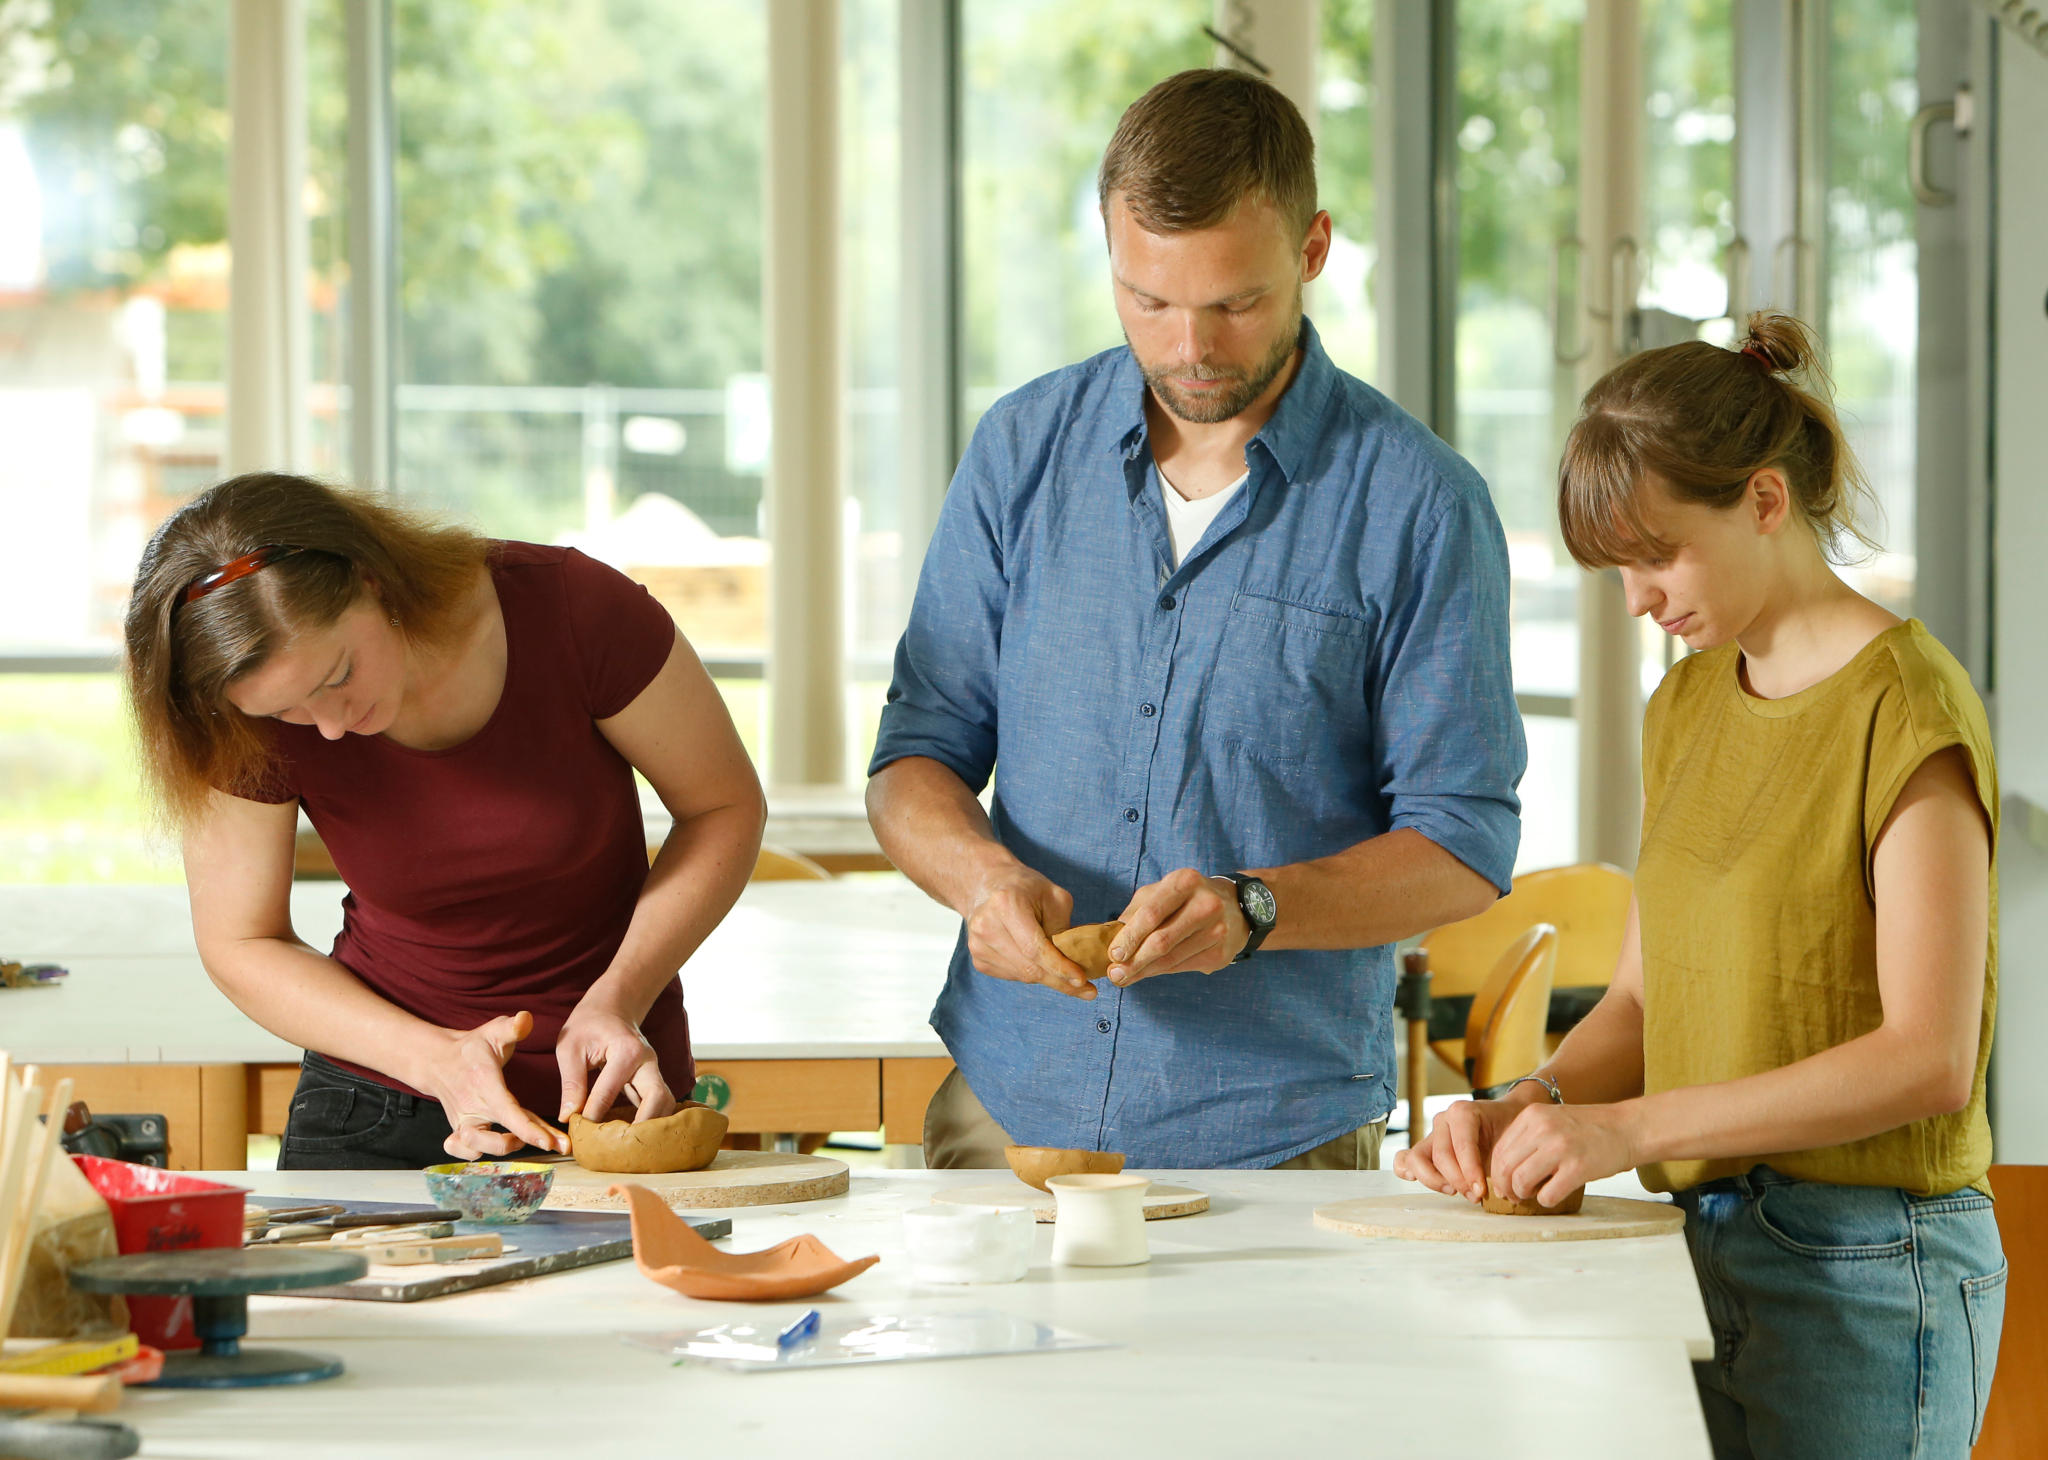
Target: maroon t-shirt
(499,875)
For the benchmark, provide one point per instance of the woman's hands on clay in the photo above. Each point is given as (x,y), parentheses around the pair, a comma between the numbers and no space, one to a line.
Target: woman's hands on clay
(1550,1151)
(468,1078)
(1183,923)
(1452,1157)
(600,1037)
(1010,923)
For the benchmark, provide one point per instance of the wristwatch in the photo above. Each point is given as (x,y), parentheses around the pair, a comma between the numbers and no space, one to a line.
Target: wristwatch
(1261,910)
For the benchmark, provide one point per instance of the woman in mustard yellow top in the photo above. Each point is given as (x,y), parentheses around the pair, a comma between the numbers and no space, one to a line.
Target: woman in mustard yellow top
(1796,1036)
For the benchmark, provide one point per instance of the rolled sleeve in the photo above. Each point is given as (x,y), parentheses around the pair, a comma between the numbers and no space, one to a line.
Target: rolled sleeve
(942,696)
(1449,735)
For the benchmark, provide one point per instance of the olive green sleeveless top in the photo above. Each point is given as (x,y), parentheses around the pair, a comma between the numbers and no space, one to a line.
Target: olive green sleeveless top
(1754,887)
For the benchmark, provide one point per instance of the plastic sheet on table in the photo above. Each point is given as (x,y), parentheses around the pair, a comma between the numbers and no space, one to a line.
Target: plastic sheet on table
(863,1338)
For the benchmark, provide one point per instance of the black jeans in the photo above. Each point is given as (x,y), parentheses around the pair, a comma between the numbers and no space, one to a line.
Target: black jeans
(345,1122)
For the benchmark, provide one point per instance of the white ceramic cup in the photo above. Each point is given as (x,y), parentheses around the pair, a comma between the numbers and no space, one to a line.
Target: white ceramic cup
(1100,1220)
(968,1244)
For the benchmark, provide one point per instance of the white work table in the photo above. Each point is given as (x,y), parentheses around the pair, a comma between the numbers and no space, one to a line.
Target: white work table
(1250,1333)
(811,999)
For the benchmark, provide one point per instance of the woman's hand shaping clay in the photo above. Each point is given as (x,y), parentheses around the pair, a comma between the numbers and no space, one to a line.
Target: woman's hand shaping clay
(597,1037)
(468,1078)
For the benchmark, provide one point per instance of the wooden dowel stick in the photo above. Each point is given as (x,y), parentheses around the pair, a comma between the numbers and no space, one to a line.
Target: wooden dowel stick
(14,1153)
(49,1147)
(91,1393)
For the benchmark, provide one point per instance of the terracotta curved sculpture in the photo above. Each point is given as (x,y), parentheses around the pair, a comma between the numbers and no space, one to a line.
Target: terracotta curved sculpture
(1514,1206)
(667,1251)
(1034,1165)
(1088,945)
(685,1141)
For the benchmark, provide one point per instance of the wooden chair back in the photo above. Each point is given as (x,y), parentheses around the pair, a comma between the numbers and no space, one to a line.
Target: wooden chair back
(1504,1032)
(1586,903)
(2016,1423)
(776,865)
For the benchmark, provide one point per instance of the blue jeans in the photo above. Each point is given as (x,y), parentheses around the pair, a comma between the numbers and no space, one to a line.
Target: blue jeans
(1849,1321)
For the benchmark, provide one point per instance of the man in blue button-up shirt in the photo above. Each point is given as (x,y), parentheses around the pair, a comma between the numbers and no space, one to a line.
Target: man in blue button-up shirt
(1206,605)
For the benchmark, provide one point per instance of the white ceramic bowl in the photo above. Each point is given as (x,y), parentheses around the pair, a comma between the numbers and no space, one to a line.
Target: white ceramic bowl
(968,1244)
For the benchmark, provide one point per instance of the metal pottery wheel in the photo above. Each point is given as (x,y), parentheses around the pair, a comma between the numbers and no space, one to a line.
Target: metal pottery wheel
(219,1281)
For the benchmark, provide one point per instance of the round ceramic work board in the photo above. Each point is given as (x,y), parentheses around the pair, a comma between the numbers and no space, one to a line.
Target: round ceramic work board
(733,1179)
(1161,1202)
(1428,1216)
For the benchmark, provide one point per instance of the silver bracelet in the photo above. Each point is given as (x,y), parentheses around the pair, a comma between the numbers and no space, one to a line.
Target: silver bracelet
(1550,1085)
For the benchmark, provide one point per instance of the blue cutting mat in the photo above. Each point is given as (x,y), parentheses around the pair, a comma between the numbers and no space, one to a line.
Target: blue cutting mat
(547,1242)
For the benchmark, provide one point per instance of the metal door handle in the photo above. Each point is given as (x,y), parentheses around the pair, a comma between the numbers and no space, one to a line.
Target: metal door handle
(1924,192)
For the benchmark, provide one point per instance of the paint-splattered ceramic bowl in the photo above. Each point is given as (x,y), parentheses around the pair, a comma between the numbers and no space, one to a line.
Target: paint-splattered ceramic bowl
(490,1191)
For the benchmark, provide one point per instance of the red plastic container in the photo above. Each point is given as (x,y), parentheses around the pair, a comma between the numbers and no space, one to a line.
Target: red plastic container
(164,1211)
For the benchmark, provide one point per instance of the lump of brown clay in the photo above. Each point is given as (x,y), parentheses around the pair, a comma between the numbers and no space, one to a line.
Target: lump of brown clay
(685,1141)
(1514,1206)
(1088,945)
(1034,1164)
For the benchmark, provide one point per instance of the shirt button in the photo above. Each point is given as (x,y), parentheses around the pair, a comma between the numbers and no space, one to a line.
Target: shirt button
(1166,602)
(1102,1026)
(1130,813)
(1147,711)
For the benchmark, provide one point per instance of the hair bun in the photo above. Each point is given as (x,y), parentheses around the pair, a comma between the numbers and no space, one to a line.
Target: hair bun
(1781,342)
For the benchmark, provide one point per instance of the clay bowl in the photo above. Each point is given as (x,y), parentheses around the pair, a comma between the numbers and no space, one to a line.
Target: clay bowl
(685,1141)
(667,1250)
(500,1192)
(1035,1164)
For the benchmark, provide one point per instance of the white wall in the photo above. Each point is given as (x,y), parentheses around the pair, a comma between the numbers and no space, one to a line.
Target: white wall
(2019,421)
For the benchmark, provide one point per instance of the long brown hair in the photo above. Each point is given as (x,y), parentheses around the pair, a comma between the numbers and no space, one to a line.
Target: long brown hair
(1703,421)
(183,656)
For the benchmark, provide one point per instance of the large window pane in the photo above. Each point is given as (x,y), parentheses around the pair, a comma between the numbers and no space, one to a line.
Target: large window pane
(1517,178)
(113,346)
(1689,201)
(871,271)
(113,298)
(1341,301)
(580,213)
(1045,83)
(1872,280)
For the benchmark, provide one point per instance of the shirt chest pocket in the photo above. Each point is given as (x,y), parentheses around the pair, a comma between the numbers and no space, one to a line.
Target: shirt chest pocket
(1288,679)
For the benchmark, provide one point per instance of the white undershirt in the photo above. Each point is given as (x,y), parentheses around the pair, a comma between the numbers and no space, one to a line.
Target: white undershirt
(1186,521)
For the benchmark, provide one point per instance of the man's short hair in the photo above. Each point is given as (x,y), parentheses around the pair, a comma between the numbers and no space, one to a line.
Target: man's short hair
(1192,148)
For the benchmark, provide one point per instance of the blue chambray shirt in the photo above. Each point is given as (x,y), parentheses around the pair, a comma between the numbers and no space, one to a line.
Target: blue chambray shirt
(1329,663)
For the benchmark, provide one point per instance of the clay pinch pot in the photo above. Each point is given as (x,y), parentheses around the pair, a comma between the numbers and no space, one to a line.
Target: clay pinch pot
(1504,1204)
(667,1250)
(685,1141)
(1088,945)
(499,1192)
(1035,1165)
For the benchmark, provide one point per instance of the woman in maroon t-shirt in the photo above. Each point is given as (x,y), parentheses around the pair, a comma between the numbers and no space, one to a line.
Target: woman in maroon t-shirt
(460,720)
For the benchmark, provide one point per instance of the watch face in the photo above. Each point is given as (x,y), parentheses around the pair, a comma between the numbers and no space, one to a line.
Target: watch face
(1257,900)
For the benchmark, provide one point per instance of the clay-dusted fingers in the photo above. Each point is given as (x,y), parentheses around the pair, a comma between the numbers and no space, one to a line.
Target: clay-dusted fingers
(653,1098)
(1179,924)
(1061,972)
(1008,937)
(470,1142)
(1470,1160)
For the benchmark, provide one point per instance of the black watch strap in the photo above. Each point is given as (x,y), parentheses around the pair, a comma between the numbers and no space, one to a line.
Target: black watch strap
(1260,908)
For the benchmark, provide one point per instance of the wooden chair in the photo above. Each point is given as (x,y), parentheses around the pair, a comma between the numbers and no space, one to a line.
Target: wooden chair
(2016,1423)
(777,865)
(1504,1031)
(1588,906)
